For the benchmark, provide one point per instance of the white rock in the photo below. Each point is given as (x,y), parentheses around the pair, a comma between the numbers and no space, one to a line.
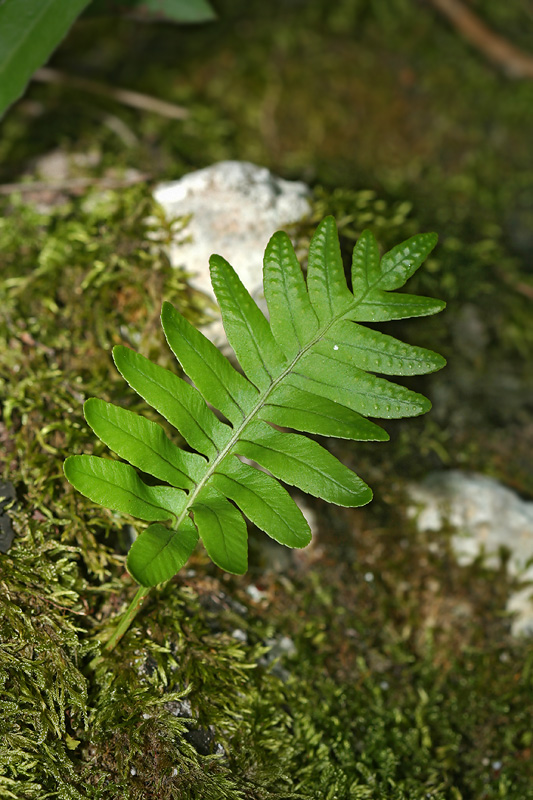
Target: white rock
(256,594)
(236,207)
(487,517)
(53,167)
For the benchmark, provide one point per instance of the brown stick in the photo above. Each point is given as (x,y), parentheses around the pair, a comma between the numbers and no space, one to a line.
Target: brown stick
(125,96)
(519,286)
(514,62)
(71,184)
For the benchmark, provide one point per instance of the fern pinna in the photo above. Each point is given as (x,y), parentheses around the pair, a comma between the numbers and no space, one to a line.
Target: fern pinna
(310,367)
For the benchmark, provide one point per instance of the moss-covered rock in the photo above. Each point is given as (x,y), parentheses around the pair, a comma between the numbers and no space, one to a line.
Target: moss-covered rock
(374,667)
(401,680)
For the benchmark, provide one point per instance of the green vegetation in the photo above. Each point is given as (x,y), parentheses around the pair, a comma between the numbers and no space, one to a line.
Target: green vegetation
(395,675)
(311,329)
(370,693)
(29,34)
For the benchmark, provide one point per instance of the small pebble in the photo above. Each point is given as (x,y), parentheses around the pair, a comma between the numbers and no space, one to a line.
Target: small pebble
(256,594)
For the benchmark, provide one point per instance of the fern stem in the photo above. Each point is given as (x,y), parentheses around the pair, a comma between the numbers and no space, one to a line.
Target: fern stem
(127,618)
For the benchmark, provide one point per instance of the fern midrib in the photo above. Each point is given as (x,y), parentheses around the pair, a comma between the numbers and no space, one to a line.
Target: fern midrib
(261,401)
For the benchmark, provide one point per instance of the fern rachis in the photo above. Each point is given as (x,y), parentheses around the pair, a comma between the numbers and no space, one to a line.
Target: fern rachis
(310,367)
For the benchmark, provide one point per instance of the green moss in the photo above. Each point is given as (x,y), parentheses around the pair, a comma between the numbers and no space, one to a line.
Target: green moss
(369,698)
(363,706)
(402,681)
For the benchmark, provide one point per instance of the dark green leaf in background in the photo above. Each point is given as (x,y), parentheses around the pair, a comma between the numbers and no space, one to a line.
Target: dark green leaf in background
(185,11)
(30,30)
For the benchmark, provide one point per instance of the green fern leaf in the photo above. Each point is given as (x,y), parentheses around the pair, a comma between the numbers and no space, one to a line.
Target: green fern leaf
(310,367)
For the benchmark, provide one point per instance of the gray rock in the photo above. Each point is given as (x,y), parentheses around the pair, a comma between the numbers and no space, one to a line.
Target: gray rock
(470,333)
(236,207)
(280,650)
(180,708)
(488,518)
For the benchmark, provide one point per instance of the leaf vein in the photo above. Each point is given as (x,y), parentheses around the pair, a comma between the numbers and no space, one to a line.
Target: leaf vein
(152,450)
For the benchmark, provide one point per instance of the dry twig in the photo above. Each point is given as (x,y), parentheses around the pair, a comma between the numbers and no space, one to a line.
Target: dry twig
(514,61)
(72,184)
(125,96)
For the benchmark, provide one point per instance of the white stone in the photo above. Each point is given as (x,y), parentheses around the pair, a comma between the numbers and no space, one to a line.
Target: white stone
(256,594)
(236,207)
(487,517)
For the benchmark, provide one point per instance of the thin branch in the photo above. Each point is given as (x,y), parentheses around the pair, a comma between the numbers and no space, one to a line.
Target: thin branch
(514,61)
(519,286)
(71,184)
(125,96)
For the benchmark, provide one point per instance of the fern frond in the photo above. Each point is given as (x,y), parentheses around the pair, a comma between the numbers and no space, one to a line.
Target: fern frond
(310,367)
